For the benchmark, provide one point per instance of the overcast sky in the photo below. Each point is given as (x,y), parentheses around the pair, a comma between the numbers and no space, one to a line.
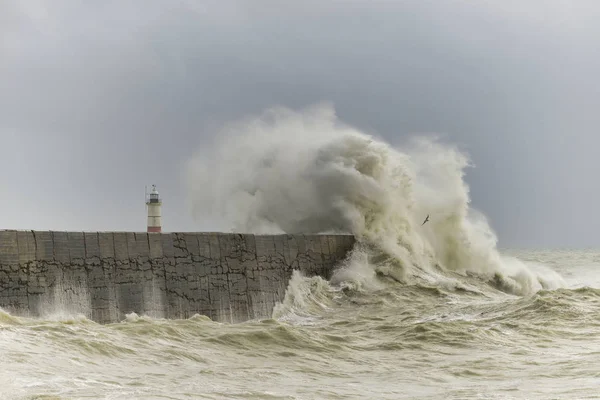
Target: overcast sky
(98,99)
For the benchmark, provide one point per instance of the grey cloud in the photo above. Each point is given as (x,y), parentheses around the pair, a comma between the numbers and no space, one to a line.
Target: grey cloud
(103,98)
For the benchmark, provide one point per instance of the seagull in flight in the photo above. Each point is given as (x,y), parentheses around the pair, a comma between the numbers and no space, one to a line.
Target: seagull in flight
(426,219)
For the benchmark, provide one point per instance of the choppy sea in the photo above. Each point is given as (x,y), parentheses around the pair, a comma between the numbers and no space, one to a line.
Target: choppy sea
(332,341)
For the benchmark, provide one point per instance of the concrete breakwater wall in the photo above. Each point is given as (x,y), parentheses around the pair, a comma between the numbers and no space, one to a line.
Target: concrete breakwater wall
(106,275)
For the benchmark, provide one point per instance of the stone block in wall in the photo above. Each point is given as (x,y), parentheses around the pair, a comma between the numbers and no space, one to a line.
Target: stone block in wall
(120,246)
(204,246)
(9,249)
(336,245)
(179,245)
(178,280)
(142,246)
(106,244)
(129,299)
(26,246)
(67,290)
(5,274)
(155,244)
(248,260)
(76,247)
(203,297)
(301,242)
(347,244)
(127,272)
(265,290)
(326,247)
(191,243)
(304,263)
(5,271)
(167,245)
(92,245)
(61,247)
(332,245)
(238,253)
(290,251)
(314,255)
(101,286)
(36,290)
(215,247)
(44,246)
(130,283)
(269,252)
(13,297)
(265,247)
(238,297)
(280,251)
(155,295)
(75,274)
(326,255)
(177,289)
(187,286)
(36,268)
(174,298)
(131,245)
(260,305)
(261,293)
(183,267)
(102,281)
(220,307)
(52,271)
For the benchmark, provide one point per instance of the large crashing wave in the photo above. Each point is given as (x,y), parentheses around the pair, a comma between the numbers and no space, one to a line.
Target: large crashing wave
(289,172)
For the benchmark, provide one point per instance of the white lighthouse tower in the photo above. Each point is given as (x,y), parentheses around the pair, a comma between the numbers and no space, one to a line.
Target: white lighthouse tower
(153,204)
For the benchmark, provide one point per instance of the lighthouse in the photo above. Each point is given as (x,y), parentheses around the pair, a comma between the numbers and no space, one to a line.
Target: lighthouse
(153,204)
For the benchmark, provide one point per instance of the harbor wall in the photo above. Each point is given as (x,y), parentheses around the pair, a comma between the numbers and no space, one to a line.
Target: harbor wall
(106,275)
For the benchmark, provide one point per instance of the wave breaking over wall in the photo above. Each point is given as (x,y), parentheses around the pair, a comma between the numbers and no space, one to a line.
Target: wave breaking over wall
(288,171)
(106,275)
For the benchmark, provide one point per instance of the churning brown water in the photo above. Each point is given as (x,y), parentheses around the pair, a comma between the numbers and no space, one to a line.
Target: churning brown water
(332,341)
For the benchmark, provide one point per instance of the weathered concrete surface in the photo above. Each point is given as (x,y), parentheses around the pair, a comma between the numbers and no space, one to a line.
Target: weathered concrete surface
(106,275)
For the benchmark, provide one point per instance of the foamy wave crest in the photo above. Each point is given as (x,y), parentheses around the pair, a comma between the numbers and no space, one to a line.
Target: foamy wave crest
(8,319)
(289,172)
(304,298)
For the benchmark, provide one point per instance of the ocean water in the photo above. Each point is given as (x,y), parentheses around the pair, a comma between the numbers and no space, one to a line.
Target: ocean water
(332,341)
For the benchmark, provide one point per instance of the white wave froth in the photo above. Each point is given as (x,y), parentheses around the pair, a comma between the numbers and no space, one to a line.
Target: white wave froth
(305,298)
(289,171)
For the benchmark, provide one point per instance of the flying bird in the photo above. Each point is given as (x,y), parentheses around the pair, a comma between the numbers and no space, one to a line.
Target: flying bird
(426,219)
